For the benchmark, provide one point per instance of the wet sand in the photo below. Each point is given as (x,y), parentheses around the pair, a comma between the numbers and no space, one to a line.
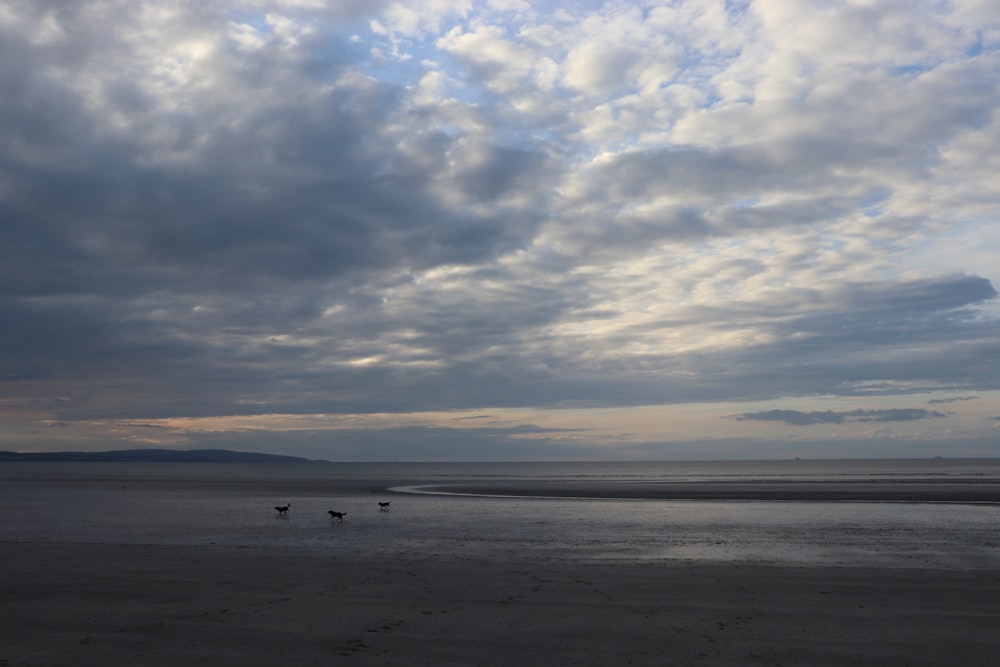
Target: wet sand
(819,491)
(77,604)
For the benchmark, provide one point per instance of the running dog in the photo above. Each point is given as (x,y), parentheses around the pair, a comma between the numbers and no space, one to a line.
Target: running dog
(339,516)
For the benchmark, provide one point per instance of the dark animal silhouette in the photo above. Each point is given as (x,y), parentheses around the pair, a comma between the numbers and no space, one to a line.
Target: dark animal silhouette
(339,516)
(283,511)
(384,507)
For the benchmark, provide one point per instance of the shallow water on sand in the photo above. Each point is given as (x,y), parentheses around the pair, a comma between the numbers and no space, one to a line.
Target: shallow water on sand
(232,505)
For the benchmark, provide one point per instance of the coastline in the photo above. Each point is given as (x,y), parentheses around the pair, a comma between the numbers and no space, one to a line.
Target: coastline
(965,481)
(162,605)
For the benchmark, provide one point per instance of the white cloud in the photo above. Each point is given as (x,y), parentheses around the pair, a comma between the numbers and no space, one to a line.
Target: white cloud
(598,69)
(502,65)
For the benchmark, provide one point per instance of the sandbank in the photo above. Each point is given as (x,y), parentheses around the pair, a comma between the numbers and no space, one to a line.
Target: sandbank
(805,491)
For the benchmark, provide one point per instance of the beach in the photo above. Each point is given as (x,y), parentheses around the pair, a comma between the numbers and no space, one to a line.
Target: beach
(715,564)
(108,604)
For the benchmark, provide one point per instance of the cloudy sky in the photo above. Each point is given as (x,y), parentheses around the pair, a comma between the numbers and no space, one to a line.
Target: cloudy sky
(501,229)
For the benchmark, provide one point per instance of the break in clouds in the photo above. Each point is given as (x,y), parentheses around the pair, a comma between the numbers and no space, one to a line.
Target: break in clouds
(298,207)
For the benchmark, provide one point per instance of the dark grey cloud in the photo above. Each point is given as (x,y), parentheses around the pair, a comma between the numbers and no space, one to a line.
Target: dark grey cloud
(793,417)
(188,258)
(801,418)
(957,399)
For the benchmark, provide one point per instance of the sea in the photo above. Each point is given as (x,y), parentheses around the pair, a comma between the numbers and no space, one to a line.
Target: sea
(582,511)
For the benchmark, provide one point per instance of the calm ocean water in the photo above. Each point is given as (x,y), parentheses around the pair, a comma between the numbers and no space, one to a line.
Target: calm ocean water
(233,505)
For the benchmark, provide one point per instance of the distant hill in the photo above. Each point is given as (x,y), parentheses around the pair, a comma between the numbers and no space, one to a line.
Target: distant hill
(169,455)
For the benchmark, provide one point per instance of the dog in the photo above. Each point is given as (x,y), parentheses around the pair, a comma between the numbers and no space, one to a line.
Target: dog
(384,507)
(339,516)
(283,511)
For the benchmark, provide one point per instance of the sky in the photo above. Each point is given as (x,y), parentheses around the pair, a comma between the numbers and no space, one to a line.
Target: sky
(501,230)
